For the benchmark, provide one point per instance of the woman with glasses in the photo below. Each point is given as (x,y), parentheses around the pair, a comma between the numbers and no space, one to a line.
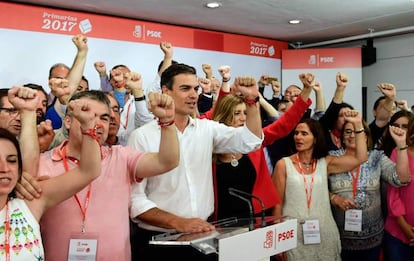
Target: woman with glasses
(355,194)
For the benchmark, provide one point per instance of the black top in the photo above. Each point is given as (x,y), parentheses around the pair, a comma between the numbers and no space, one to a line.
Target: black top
(204,103)
(377,134)
(241,177)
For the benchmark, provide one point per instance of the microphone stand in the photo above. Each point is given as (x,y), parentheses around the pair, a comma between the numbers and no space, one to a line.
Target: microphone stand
(251,224)
(263,213)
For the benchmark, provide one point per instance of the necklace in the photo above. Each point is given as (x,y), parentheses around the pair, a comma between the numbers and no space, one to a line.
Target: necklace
(234,162)
(307,165)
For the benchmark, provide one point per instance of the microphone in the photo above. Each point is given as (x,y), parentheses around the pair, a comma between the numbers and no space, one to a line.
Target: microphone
(263,213)
(233,193)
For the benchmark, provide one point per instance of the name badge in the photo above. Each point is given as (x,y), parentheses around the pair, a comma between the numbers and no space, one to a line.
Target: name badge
(353,220)
(311,233)
(83,247)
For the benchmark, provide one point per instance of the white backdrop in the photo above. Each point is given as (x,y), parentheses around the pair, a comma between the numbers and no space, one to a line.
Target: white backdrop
(327,77)
(27,56)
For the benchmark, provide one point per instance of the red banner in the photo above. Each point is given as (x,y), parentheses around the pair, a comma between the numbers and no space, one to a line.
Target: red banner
(321,58)
(48,20)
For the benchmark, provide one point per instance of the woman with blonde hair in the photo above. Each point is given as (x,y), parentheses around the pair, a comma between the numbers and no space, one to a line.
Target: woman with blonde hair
(249,172)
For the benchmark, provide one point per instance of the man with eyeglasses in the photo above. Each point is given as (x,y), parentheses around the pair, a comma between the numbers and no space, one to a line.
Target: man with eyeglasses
(9,116)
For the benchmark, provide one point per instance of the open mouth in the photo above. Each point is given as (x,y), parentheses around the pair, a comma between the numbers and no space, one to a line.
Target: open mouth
(5,180)
(191,103)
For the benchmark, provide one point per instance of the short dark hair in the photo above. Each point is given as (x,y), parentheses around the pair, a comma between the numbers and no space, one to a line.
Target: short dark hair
(167,77)
(4,92)
(119,65)
(86,80)
(345,105)
(5,134)
(116,67)
(377,102)
(93,95)
(162,63)
(36,87)
(331,124)
(320,148)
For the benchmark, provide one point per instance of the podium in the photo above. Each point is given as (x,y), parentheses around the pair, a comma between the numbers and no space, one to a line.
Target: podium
(238,239)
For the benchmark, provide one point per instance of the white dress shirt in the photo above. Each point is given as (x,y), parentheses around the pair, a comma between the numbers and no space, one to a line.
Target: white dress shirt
(187,190)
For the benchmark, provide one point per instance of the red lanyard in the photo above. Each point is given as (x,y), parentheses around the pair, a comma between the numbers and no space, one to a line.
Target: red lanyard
(7,232)
(355,176)
(125,126)
(88,194)
(302,172)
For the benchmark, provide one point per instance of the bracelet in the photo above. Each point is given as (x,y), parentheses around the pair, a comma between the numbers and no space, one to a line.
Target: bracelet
(359,131)
(92,133)
(251,101)
(332,197)
(165,124)
(403,147)
(226,80)
(140,98)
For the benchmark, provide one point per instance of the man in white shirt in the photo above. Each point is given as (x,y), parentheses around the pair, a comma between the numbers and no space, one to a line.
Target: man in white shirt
(183,199)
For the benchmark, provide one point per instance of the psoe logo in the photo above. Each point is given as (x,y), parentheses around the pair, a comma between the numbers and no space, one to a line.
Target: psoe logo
(326,59)
(271,50)
(312,59)
(155,34)
(137,33)
(286,235)
(85,26)
(268,243)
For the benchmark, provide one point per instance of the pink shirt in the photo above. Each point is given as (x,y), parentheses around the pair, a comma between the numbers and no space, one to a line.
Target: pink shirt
(400,203)
(108,210)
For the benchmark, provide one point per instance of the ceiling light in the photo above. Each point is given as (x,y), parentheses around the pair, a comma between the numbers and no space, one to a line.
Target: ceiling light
(295,21)
(213,5)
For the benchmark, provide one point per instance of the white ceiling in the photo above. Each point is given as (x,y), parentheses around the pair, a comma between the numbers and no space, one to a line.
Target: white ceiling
(322,20)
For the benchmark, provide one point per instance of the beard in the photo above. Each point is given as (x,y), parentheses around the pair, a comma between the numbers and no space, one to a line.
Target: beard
(40,116)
